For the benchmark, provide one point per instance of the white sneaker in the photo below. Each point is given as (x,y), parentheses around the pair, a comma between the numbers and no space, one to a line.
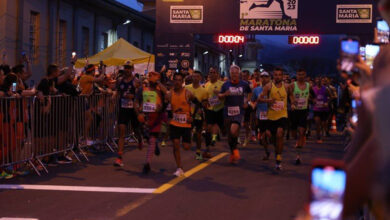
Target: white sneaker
(90,142)
(179,172)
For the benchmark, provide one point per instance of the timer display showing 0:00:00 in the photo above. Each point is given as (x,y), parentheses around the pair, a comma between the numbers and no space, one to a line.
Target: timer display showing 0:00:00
(307,40)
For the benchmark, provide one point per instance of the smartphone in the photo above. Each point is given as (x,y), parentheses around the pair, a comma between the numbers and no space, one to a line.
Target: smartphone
(13,87)
(383,31)
(371,51)
(73,54)
(349,53)
(328,181)
(363,53)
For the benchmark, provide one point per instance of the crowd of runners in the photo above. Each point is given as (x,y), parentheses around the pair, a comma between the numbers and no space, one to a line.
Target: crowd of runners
(185,107)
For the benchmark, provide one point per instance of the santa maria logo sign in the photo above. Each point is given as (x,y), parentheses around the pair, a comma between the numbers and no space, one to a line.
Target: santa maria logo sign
(354,14)
(187,14)
(268,15)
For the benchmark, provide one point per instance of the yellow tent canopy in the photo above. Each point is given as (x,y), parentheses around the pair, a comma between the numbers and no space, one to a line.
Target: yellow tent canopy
(118,54)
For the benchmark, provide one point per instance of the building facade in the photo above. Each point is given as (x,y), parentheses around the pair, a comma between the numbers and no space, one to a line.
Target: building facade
(48,31)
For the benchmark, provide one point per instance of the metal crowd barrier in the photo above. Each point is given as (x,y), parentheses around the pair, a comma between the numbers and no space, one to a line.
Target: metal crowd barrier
(33,129)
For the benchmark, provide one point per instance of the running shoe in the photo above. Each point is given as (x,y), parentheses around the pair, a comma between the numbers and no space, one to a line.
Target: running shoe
(236,155)
(266,156)
(245,142)
(157,150)
(146,169)
(90,142)
(5,175)
(207,155)
(198,156)
(64,160)
(179,172)
(118,163)
(279,167)
(253,138)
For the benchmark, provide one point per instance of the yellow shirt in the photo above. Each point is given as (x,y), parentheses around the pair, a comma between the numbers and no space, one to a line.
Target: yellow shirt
(214,103)
(278,110)
(200,93)
(86,84)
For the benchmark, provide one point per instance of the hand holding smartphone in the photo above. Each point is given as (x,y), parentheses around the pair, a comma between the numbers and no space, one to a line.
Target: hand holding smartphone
(349,53)
(328,181)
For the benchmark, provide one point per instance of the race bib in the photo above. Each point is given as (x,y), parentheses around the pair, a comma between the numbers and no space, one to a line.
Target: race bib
(181,118)
(236,91)
(263,116)
(149,107)
(319,103)
(214,101)
(301,103)
(233,110)
(278,106)
(127,103)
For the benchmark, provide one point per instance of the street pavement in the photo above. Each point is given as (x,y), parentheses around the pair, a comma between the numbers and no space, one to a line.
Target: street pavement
(215,190)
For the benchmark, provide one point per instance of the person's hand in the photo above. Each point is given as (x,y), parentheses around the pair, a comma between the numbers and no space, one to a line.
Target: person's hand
(363,67)
(25,59)
(74,59)
(163,68)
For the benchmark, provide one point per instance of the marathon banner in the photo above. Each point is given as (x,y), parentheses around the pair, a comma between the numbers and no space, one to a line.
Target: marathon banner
(176,51)
(285,17)
(274,16)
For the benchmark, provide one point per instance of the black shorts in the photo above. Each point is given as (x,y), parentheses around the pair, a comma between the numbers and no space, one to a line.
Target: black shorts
(274,125)
(299,119)
(262,125)
(247,116)
(198,125)
(322,115)
(127,115)
(215,117)
(180,132)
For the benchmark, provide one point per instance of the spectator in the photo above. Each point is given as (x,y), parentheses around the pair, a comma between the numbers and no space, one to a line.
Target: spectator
(87,80)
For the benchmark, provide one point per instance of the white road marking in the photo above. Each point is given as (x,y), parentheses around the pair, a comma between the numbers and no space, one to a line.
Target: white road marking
(15,218)
(77,188)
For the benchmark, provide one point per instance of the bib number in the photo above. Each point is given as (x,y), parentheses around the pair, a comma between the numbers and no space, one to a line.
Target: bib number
(233,111)
(319,104)
(278,106)
(169,107)
(263,116)
(301,103)
(181,118)
(149,107)
(214,101)
(127,103)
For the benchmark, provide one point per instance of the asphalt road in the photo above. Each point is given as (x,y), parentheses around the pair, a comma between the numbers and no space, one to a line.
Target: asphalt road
(250,190)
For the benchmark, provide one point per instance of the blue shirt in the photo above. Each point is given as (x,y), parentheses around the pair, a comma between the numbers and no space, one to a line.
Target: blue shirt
(260,107)
(236,96)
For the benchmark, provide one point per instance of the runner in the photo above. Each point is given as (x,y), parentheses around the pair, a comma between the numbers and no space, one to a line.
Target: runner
(275,94)
(234,92)
(261,114)
(150,98)
(127,112)
(197,111)
(301,91)
(248,110)
(180,125)
(214,112)
(321,107)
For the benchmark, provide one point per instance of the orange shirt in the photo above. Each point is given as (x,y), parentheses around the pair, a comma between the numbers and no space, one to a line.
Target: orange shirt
(181,109)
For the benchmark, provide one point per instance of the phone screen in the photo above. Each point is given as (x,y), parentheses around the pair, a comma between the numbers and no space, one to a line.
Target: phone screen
(383,31)
(371,52)
(363,52)
(13,87)
(350,50)
(327,187)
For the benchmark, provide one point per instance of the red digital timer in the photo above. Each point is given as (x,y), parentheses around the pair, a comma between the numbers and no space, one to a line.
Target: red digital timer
(231,39)
(304,40)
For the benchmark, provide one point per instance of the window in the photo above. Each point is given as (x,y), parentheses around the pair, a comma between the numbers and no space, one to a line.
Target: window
(104,41)
(34,36)
(135,43)
(85,42)
(62,44)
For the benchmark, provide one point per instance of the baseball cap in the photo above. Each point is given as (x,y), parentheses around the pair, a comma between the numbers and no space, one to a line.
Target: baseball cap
(264,74)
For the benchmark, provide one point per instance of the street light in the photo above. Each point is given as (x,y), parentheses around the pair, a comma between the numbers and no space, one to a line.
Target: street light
(240,55)
(206,52)
(127,22)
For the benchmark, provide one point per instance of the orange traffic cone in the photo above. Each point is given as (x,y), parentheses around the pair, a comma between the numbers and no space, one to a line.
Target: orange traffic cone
(334,125)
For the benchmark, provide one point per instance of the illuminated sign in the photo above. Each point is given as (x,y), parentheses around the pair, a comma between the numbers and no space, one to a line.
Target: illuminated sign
(231,39)
(304,40)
